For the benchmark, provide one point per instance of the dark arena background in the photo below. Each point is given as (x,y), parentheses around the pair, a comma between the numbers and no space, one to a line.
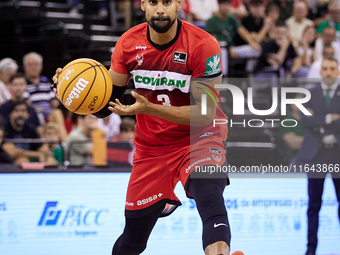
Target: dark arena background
(73,207)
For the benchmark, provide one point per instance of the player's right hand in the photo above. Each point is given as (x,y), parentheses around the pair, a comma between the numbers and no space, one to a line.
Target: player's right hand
(55,81)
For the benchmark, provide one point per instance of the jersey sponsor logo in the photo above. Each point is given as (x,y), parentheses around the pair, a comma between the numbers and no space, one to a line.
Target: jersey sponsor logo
(141,47)
(197,162)
(161,80)
(215,150)
(213,65)
(75,92)
(206,134)
(180,57)
(149,199)
(140,59)
(217,158)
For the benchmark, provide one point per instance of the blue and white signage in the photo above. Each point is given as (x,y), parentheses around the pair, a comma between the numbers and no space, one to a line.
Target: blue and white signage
(83,213)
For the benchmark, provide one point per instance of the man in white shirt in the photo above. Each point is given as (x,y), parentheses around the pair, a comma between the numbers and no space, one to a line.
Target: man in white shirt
(298,22)
(314,71)
(202,10)
(110,125)
(327,39)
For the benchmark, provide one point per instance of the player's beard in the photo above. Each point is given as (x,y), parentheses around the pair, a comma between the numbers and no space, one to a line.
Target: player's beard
(161,29)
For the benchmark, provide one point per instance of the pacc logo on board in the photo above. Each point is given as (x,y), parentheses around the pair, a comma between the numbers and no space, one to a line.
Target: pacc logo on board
(75,215)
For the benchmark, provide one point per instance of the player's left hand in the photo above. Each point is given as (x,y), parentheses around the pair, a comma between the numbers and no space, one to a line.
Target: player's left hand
(140,106)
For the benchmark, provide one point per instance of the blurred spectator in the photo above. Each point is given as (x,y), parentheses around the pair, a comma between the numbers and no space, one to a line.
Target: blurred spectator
(17,128)
(281,53)
(8,67)
(52,133)
(125,7)
(78,147)
(333,21)
(254,21)
(238,8)
(246,4)
(314,71)
(4,157)
(118,152)
(110,125)
(57,117)
(298,22)
(272,17)
(18,88)
(317,9)
(293,136)
(285,8)
(71,120)
(185,8)
(305,46)
(127,130)
(224,28)
(39,87)
(327,39)
(201,11)
(103,13)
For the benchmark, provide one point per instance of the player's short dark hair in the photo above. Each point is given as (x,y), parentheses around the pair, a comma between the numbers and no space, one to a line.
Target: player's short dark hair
(17,103)
(256,2)
(127,124)
(16,75)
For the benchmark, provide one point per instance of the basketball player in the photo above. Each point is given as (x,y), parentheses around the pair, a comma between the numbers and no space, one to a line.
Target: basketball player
(168,60)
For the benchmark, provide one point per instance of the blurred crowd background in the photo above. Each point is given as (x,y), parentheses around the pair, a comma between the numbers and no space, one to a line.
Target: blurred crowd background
(283,40)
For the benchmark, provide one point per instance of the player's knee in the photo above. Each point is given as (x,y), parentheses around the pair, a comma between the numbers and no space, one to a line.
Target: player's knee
(208,197)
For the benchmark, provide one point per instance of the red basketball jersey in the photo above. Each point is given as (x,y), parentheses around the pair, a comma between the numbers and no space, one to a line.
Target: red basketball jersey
(162,74)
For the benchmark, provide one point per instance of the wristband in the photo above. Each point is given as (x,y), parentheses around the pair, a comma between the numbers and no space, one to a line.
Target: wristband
(117,92)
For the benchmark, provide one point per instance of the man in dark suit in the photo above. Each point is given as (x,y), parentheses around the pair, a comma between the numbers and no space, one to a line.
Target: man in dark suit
(321,144)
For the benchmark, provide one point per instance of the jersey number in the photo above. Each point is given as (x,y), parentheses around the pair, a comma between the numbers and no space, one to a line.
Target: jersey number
(164,98)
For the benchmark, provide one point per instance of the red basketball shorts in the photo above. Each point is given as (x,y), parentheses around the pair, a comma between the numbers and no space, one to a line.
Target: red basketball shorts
(155,174)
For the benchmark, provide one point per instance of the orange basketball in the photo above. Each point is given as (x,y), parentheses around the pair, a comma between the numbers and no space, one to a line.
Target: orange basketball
(84,86)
